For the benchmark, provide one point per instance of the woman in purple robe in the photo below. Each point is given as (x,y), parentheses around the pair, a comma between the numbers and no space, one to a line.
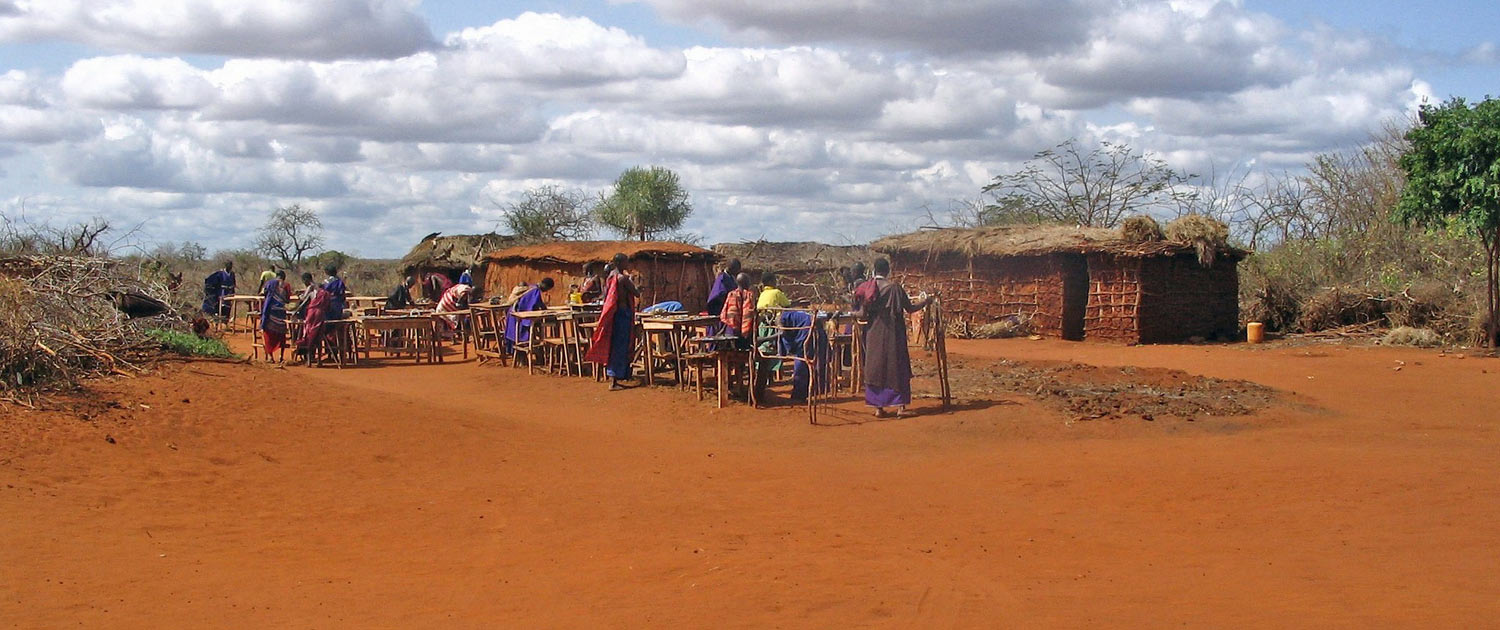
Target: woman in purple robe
(518,330)
(887,371)
(722,286)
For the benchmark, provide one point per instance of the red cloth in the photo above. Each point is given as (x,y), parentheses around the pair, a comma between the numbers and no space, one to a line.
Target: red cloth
(275,341)
(312,323)
(599,346)
(738,314)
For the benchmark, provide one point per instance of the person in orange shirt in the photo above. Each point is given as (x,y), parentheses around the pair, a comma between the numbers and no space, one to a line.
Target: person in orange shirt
(738,314)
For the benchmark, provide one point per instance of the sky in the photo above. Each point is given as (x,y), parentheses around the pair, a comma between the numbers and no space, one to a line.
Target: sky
(836,120)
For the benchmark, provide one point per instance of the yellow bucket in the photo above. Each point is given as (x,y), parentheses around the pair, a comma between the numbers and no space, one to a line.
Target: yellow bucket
(1255,332)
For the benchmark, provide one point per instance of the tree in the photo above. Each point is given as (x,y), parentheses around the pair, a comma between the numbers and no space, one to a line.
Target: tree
(549,213)
(644,202)
(1453,181)
(289,234)
(1096,187)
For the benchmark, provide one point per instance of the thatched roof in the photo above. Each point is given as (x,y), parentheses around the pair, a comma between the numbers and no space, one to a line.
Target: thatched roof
(1028,240)
(580,252)
(794,256)
(459,251)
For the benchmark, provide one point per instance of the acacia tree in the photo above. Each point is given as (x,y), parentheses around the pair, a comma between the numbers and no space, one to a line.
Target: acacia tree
(289,234)
(1453,181)
(644,202)
(549,213)
(1095,187)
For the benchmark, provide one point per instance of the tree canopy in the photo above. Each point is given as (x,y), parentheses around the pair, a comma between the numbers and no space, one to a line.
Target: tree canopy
(549,213)
(290,233)
(1091,187)
(644,202)
(1453,179)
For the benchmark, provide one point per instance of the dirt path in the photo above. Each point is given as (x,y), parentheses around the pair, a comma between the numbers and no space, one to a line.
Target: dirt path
(465,496)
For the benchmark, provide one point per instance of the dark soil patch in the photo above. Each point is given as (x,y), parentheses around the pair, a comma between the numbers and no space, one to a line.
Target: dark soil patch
(1091,392)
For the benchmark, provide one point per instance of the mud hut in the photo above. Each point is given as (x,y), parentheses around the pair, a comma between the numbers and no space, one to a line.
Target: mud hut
(451,255)
(1073,283)
(805,270)
(667,270)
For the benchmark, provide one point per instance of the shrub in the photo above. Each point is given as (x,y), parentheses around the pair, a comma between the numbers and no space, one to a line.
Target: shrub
(189,344)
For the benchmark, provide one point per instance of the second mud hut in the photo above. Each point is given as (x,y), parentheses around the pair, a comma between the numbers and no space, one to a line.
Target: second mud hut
(1074,283)
(664,270)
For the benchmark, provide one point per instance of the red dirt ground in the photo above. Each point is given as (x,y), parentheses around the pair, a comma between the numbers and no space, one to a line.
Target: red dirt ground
(465,496)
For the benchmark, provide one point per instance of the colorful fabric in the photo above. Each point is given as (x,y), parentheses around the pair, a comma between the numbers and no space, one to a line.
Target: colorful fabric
(612,344)
(265,276)
(466,278)
(217,286)
(772,297)
(669,306)
(723,284)
(801,338)
(885,397)
(738,313)
(455,299)
(315,313)
(592,289)
(273,308)
(887,361)
(518,330)
(274,342)
(435,285)
(337,293)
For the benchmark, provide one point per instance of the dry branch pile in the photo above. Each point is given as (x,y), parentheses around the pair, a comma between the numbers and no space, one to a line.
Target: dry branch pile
(58,323)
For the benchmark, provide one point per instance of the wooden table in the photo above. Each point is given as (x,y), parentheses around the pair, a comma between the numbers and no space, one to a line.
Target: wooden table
(252,305)
(676,328)
(538,319)
(725,355)
(421,329)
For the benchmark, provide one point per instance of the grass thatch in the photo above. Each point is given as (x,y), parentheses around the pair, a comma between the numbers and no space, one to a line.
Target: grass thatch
(456,252)
(580,252)
(1027,240)
(1206,235)
(794,256)
(1408,336)
(1141,229)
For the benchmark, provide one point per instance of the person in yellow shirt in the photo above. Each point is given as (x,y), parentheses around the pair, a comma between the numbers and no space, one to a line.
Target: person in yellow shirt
(770,296)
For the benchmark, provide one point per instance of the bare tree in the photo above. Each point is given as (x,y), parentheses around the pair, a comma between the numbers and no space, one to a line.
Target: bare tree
(549,213)
(289,234)
(1095,187)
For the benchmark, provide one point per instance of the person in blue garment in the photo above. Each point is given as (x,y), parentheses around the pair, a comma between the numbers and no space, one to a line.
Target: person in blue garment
(466,278)
(803,336)
(338,293)
(518,330)
(217,286)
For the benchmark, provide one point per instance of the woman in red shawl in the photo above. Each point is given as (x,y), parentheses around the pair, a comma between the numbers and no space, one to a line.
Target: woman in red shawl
(315,313)
(613,342)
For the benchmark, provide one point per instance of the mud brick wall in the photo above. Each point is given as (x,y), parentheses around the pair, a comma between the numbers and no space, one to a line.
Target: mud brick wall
(660,279)
(1114,302)
(983,289)
(1183,299)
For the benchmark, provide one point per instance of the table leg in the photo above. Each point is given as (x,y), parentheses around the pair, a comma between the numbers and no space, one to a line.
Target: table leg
(721,374)
(650,358)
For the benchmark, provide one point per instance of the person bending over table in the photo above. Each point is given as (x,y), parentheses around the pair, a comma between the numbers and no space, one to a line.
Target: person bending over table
(613,341)
(400,297)
(518,330)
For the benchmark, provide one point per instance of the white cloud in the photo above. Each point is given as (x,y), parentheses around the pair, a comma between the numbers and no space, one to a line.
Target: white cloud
(943,26)
(131,82)
(322,29)
(552,49)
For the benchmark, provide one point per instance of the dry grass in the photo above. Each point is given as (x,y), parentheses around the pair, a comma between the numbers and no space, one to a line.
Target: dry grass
(1141,229)
(1408,336)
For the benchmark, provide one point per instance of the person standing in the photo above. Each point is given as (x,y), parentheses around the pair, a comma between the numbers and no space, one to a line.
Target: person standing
(273,314)
(887,369)
(613,341)
(770,296)
(338,293)
(467,277)
(217,286)
(737,311)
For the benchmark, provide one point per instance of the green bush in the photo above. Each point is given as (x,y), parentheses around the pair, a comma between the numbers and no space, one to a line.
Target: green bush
(189,344)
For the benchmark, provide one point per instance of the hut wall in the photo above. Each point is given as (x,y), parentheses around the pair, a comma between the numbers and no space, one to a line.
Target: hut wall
(1112,311)
(984,289)
(686,280)
(1161,299)
(1183,299)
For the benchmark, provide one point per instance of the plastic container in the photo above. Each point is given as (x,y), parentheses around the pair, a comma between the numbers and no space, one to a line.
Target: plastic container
(1255,332)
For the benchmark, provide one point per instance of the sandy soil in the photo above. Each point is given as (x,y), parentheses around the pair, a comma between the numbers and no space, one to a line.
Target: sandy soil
(466,496)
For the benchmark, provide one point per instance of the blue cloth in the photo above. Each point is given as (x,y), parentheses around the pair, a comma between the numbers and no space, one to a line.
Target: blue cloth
(518,330)
(336,290)
(796,342)
(273,308)
(722,286)
(620,348)
(465,278)
(669,306)
(217,286)
(886,397)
